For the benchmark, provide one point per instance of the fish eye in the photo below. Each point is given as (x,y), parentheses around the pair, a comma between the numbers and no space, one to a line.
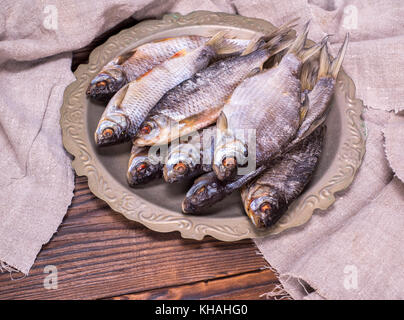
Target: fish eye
(141,167)
(101,83)
(108,132)
(229,162)
(201,190)
(180,167)
(265,207)
(146,129)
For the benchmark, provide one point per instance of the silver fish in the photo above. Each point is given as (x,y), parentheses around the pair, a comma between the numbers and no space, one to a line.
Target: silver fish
(267,198)
(130,105)
(136,62)
(197,102)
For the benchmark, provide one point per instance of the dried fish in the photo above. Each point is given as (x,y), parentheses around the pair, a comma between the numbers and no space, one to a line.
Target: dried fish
(130,105)
(314,116)
(267,198)
(268,103)
(142,167)
(136,62)
(197,102)
(190,157)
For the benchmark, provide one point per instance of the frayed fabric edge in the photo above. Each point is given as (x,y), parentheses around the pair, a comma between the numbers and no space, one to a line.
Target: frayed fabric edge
(5,267)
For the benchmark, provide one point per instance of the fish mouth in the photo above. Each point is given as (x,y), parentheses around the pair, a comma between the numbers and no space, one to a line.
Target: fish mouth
(106,84)
(229,155)
(204,193)
(172,174)
(226,169)
(111,129)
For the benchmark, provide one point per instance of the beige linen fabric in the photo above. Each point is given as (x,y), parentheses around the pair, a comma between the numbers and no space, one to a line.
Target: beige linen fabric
(350,251)
(394,144)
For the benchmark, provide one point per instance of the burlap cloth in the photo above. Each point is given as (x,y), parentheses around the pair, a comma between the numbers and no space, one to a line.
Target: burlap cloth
(351,251)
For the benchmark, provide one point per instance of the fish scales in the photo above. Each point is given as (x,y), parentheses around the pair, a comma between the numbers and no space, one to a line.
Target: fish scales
(198,101)
(136,62)
(131,104)
(267,198)
(271,107)
(210,87)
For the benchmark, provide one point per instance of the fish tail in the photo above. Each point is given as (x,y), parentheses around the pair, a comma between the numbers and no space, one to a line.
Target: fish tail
(298,48)
(336,64)
(220,45)
(325,63)
(309,74)
(300,41)
(275,41)
(328,67)
(254,44)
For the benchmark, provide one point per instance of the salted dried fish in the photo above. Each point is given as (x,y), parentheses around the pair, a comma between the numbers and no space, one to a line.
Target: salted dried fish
(142,167)
(267,198)
(130,105)
(136,62)
(206,191)
(198,198)
(197,102)
(268,103)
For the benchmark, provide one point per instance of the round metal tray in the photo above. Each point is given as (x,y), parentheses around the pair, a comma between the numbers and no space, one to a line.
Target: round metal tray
(158,205)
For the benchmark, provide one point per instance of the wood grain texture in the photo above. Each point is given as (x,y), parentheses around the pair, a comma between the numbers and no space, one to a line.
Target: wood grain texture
(248,286)
(99,254)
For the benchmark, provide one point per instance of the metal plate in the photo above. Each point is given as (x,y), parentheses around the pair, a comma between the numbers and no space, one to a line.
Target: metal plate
(158,205)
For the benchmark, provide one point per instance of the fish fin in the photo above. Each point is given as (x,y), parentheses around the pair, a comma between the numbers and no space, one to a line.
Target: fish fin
(253,45)
(300,41)
(336,64)
(308,76)
(118,97)
(222,47)
(221,122)
(274,41)
(298,47)
(254,71)
(308,132)
(124,57)
(306,54)
(304,108)
(237,184)
(280,33)
(325,63)
(330,68)
(178,54)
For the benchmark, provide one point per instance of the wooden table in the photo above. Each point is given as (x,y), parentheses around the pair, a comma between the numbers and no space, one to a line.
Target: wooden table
(101,255)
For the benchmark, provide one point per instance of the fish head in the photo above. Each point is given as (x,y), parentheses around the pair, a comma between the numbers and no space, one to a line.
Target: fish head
(206,191)
(107,82)
(112,128)
(230,153)
(141,170)
(181,162)
(264,209)
(155,130)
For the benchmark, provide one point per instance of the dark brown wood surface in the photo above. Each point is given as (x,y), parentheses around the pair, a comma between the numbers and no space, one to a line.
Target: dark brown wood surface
(98,254)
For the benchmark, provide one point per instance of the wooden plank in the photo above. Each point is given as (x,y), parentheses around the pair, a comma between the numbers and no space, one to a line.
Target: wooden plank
(249,286)
(98,253)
